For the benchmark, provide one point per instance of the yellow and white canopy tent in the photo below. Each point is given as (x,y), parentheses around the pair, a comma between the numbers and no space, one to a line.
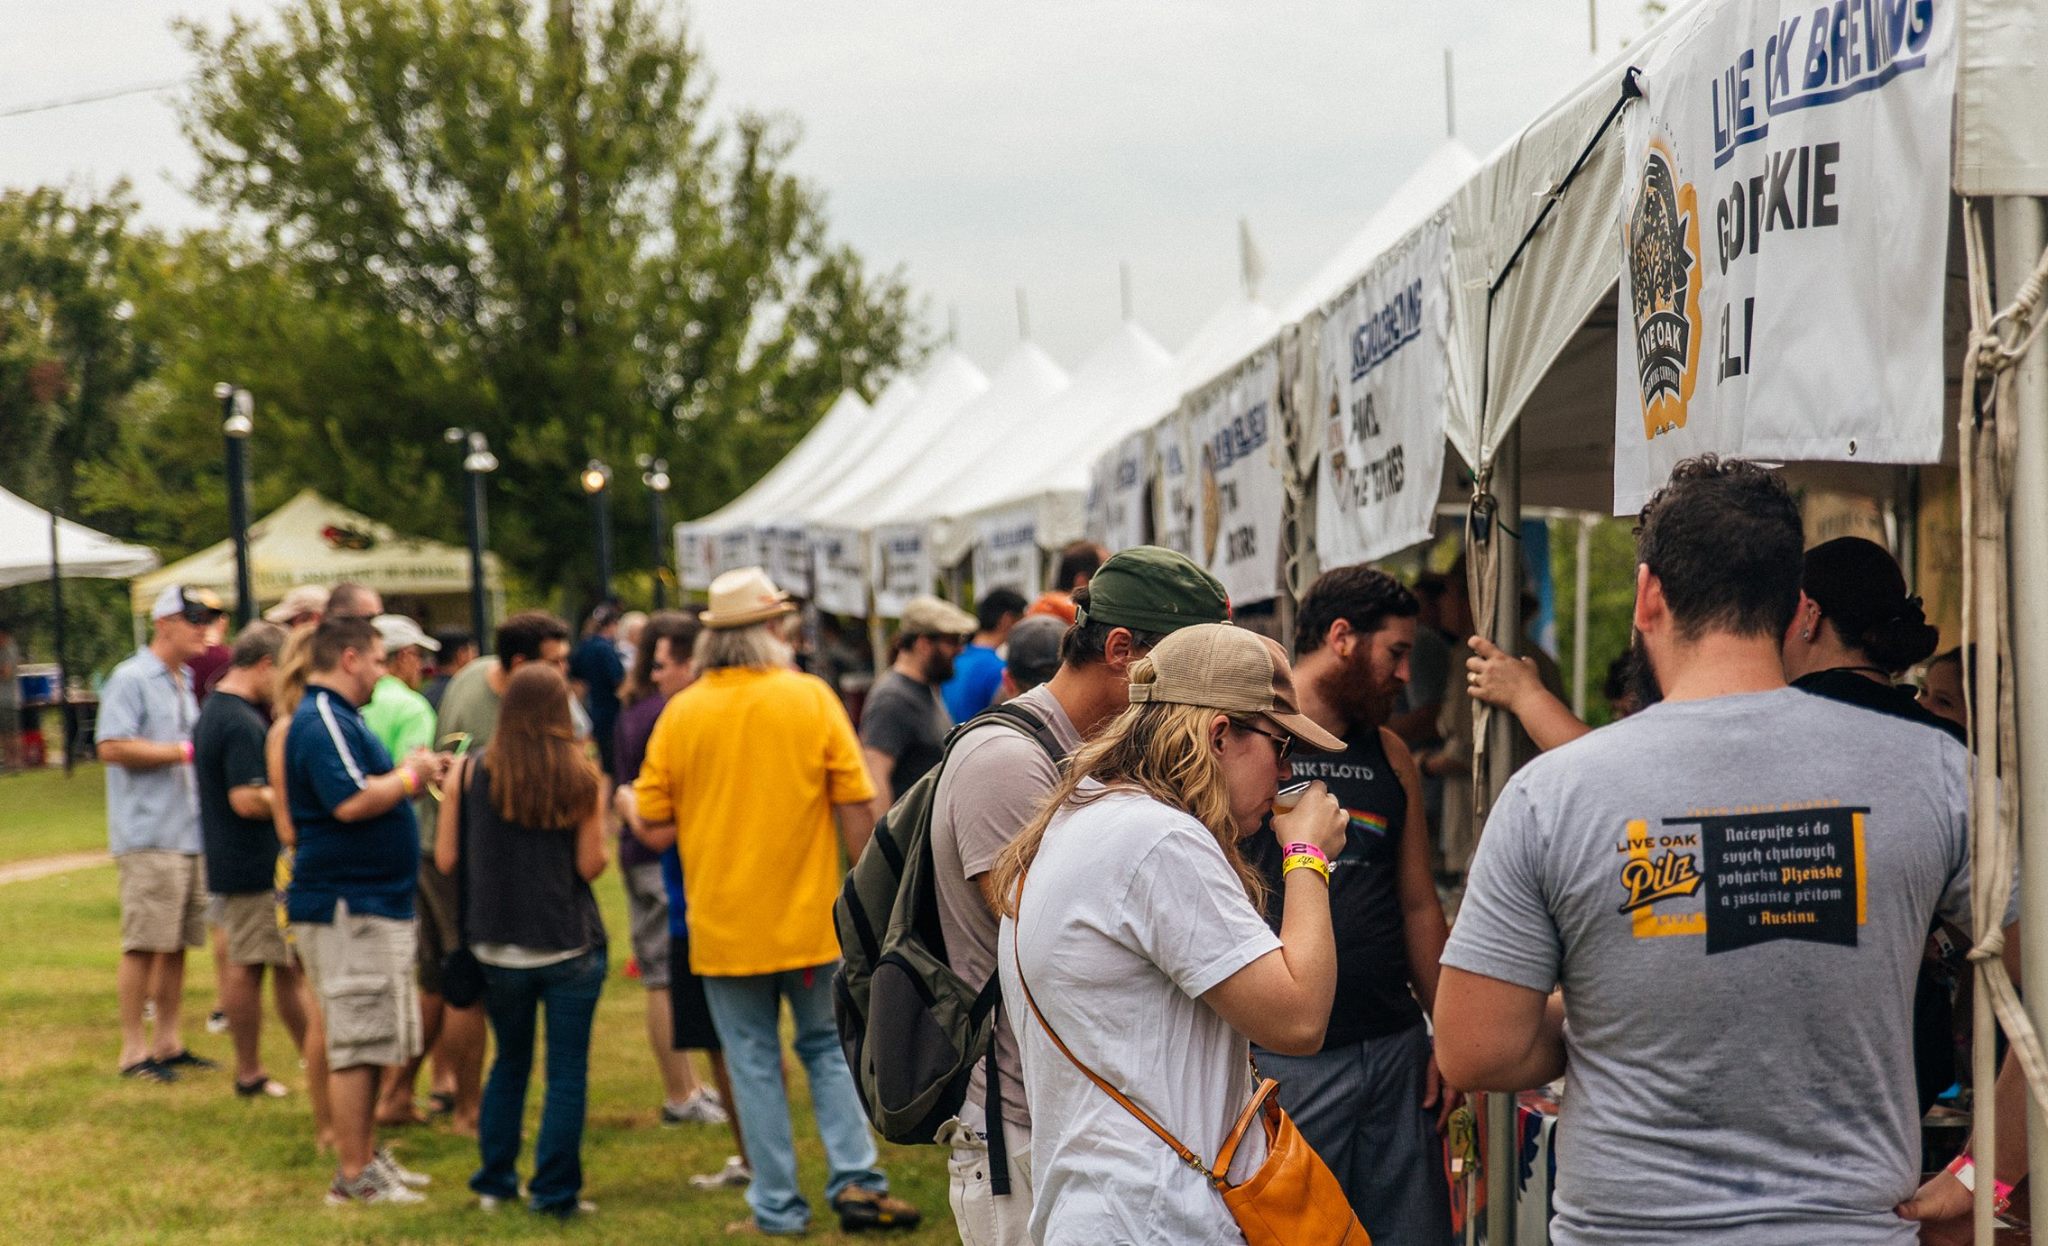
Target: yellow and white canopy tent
(311,540)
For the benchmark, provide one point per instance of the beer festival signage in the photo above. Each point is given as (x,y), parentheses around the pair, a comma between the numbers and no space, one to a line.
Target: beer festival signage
(840,567)
(1235,476)
(902,567)
(1784,235)
(1386,362)
(1006,553)
(1116,493)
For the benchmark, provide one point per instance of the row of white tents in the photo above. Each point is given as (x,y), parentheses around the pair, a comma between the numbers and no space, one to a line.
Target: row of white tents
(1791,223)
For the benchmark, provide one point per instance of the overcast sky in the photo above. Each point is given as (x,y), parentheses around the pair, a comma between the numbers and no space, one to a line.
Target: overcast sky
(982,147)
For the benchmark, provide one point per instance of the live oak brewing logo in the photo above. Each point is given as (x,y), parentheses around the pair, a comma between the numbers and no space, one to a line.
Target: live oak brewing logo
(1662,238)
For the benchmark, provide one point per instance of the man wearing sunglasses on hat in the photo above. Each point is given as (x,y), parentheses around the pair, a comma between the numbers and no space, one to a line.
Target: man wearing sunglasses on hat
(1370,1101)
(146,721)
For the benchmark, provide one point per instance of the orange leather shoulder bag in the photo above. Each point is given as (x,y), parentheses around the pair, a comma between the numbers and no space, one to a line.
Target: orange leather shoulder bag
(1292,1200)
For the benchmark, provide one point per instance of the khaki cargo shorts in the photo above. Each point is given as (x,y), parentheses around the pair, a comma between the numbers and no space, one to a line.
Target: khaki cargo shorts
(163,901)
(250,922)
(361,970)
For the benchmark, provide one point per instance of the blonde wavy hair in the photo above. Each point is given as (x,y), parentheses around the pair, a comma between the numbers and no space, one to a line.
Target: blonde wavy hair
(294,668)
(1158,749)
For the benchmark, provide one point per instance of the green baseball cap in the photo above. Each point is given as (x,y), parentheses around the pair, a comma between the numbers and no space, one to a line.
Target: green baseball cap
(1151,589)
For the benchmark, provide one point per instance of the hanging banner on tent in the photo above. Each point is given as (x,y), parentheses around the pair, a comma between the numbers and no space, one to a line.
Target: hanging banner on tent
(738,547)
(1006,554)
(902,567)
(786,553)
(696,556)
(1784,235)
(1238,489)
(841,572)
(1386,359)
(1175,503)
(1116,493)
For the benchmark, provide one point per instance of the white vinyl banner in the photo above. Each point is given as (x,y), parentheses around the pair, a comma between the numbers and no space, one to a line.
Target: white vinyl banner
(1784,234)
(902,567)
(1116,493)
(841,570)
(696,556)
(1175,503)
(738,547)
(786,553)
(1387,371)
(1006,554)
(1240,495)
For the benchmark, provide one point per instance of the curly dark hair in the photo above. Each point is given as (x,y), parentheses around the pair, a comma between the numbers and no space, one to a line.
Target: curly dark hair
(1724,539)
(1361,595)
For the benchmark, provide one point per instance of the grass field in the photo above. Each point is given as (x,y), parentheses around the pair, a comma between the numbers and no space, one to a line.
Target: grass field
(86,1157)
(43,814)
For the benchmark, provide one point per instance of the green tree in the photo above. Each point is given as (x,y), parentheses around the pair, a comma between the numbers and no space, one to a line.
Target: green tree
(468,212)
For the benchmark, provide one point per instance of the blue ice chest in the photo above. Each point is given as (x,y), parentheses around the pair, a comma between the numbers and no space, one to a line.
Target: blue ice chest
(38,683)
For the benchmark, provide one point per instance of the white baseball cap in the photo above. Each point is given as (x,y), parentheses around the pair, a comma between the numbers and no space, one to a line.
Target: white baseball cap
(400,632)
(197,605)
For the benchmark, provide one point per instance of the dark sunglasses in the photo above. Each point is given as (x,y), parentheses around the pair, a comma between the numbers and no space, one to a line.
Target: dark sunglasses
(1283,745)
(198,616)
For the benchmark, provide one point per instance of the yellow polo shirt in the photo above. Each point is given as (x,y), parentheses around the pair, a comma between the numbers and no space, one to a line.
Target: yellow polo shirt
(748,763)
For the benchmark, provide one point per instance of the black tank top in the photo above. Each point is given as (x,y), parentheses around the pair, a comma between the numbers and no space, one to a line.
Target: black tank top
(520,884)
(1373,1000)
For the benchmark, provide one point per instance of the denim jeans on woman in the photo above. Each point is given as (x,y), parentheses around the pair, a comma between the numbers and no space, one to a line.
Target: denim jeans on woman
(568,993)
(747,1012)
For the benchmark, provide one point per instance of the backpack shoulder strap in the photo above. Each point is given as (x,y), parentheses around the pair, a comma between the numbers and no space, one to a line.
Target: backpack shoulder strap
(1020,719)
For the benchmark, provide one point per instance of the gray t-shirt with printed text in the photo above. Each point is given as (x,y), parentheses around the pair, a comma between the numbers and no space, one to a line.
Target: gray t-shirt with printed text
(993,784)
(1734,894)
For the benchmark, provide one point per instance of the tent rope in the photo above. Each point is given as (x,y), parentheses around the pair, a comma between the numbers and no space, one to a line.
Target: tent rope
(1988,433)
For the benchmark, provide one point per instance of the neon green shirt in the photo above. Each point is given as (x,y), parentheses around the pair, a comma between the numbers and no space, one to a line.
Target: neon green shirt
(400,717)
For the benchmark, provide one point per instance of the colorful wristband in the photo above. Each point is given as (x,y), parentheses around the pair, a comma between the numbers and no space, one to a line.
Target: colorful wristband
(1304,861)
(185,751)
(1305,849)
(409,781)
(1964,1170)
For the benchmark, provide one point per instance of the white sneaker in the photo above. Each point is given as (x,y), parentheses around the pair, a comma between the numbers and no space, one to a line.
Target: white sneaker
(734,1174)
(387,1164)
(701,1108)
(216,1022)
(373,1186)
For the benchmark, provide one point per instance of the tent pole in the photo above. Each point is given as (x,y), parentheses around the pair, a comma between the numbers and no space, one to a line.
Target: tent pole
(1503,1138)
(1581,599)
(2017,234)
(57,625)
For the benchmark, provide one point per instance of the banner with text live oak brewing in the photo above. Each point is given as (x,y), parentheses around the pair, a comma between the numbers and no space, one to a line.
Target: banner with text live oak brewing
(1784,233)
(1006,553)
(1386,363)
(1240,496)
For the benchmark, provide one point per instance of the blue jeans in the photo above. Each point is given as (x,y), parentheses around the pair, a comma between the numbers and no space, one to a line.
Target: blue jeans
(568,992)
(747,1012)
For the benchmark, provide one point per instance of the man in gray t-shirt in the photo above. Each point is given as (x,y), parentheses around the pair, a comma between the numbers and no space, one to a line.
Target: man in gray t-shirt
(991,787)
(1732,890)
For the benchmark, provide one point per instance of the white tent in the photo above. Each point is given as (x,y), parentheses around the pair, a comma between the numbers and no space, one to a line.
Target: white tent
(1027,465)
(81,552)
(310,540)
(948,383)
(1422,192)
(840,423)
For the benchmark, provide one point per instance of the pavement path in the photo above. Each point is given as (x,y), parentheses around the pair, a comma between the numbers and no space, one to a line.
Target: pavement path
(44,867)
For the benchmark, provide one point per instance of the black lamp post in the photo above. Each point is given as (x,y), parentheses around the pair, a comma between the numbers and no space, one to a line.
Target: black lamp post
(654,474)
(597,482)
(477,462)
(237,412)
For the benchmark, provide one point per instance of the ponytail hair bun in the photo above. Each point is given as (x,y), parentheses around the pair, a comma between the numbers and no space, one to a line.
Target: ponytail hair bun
(1860,589)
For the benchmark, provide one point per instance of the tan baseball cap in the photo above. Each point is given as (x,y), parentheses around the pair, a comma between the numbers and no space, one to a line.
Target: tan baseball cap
(1219,666)
(304,600)
(929,616)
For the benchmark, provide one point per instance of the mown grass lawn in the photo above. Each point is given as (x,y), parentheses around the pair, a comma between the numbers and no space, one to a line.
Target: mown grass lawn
(43,814)
(87,1157)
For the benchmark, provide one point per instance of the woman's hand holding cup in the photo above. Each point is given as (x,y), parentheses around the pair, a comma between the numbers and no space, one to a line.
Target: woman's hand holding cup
(1316,818)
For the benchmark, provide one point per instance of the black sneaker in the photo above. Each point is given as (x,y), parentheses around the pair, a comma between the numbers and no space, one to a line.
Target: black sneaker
(149,1071)
(861,1209)
(186,1060)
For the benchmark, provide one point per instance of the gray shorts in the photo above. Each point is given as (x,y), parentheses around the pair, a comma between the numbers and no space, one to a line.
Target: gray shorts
(1360,1107)
(163,901)
(253,934)
(361,970)
(647,914)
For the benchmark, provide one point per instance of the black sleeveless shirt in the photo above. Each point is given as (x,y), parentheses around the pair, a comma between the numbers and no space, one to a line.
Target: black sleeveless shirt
(1373,999)
(520,884)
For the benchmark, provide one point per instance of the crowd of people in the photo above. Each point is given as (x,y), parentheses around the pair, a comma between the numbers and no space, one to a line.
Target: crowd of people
(1187,859)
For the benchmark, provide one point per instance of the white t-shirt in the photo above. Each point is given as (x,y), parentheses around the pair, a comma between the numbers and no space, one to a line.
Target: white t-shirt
(1129,914)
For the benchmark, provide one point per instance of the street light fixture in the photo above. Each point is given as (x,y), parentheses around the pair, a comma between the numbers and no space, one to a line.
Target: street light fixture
(654,474)
(477,462)
(597,480)
(238,412)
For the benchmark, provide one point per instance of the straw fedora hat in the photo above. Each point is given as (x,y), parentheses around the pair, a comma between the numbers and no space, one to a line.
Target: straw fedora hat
(744,597)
